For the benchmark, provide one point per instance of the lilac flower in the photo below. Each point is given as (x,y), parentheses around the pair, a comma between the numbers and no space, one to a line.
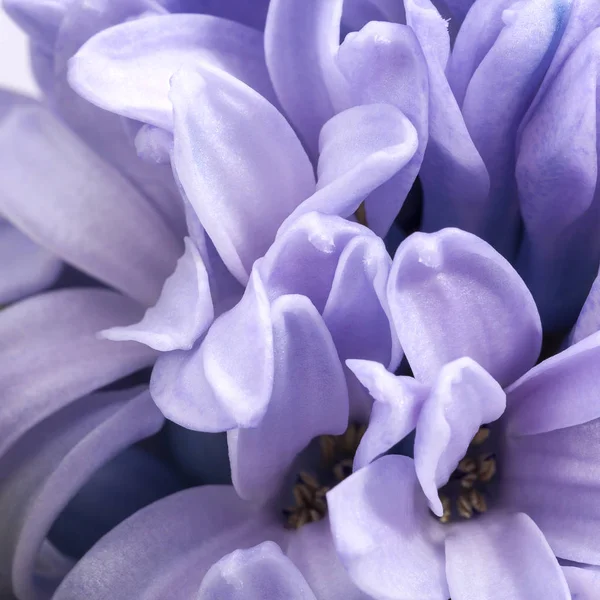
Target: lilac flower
(469,328)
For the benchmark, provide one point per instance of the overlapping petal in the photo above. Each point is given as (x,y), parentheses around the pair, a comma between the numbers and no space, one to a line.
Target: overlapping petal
(60,358)
(51,180)
(184,310)
(463,398)
(255,574)
(373,513)
(395,413)
(557,176)
(243,176)
(451,295)
(502,556)
(68,447)
(127,69)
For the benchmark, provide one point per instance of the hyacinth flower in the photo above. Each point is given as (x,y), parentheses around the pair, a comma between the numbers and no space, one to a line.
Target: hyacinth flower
(505,452)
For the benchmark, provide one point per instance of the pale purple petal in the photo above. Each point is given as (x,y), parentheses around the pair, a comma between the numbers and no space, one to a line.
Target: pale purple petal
(305,256)
(553,477)
(127,69)
(497,98)
(557,172)
(301,41)
(502,556)
(60,359)
(584,583)
(309,399)
(383,63)
(360,149)
(454,178)
(356,312)
(476,36)
(184,310)
(398,402)
(249,13)
(385,535)
(452,295)
(588,321)
(311,549)
(141,560)
(560,392)
(51,180)
(259,573)
(463,398)
(25,267)
(227,381)
(242,176)
(58,457)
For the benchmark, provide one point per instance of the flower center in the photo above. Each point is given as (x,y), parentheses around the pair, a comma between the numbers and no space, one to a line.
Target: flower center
(336,457)
(467,491)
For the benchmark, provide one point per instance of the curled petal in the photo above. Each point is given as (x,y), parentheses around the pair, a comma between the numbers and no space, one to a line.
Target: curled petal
(584,583)
(243,176)
(309,399)
(301,40)
(227,381)
(62,339)
(184,310)
(384,64)
(126,69)
(68,448)
(139,559)
(384,534)
(463,398)
(51,180)
(255,574)
(588,321)
(452,295)
(395,413)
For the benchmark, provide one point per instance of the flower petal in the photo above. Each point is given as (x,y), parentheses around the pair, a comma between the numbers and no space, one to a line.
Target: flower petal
(255,574)
(360,149)
(584,584)
(357,312)
(497,98)
(452,295)
(384,534)
(25,268)
(227,381)
(384,64)
(126,69)
(311,549)
(309,399)
(267,172)
(588,321)
(60,359)
(59,456)
(463,398)
(553,477)
(559,392)
(454,178)
(398,403)
(502,556)
(183,312)
(557,172)
(139,559)
(50,180)
(301,40)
